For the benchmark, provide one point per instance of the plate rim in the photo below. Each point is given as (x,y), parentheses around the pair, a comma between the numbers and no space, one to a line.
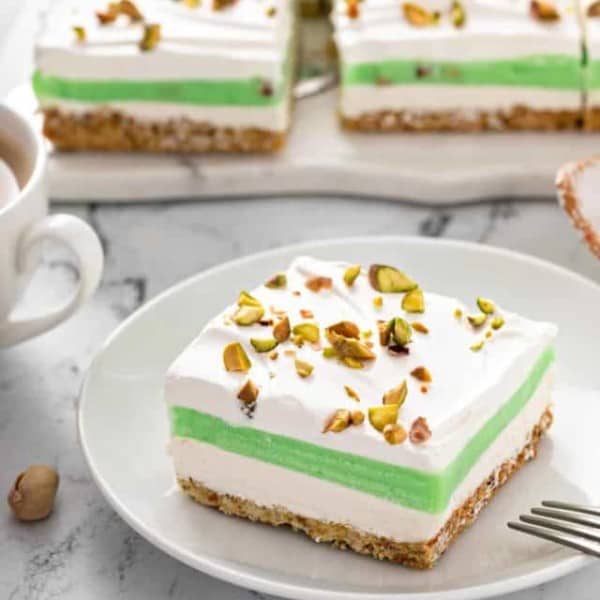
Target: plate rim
(563,567)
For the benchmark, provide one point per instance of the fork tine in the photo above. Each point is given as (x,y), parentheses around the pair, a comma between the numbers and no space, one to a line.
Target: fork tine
(564,539)
(579,530)
(581,508)
(564,515)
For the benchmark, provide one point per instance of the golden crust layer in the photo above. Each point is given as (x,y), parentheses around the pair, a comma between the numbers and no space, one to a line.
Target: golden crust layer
(591,121)
(518,118)
(419,555)
(108,130)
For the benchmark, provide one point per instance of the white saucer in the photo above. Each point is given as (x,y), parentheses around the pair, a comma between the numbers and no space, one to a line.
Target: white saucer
(123,430)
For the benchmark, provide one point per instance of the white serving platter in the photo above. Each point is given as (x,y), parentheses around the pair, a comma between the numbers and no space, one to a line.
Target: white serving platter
(320,158)
(123,429)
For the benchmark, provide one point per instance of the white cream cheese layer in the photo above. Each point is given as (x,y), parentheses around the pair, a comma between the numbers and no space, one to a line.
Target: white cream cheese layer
(238,42)
(252,479)
(467,389)
(357,99)
(494,29)
(272,118)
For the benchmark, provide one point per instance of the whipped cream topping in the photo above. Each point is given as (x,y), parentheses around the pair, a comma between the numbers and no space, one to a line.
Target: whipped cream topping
(236,42)
(467,389)
(494,29)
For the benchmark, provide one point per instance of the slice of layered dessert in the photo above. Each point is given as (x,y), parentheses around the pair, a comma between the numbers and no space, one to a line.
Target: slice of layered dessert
(165,75)
(348,403)
(459,65)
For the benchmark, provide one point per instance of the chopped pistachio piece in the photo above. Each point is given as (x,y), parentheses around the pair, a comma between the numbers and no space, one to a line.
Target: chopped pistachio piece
(477,320)
(235,358)
(414,301)
(418,16)
(458,15)
(303,368)
(129,9)
(488,334)
(338,421)
(419,431)
(316,284)
(394,434)
(277,281)
(377,302)
(352,9)
(477,346)
(458,313)
(543,10)
(151,37)
(497,323)
(80,33)
(485,306)
(351,274)
(385,332)
(420,327)
(345,329)
(401,331)
(367,333)
(109,15)
(357,417)
(396,395)
(380,416)
(329,352)
(307,331)
(263,345)
(248,315)
(245,299)
(422,374)
(248,392)
(281,330)
(271,11)
(349,347)
(352,393)
(351,362)
(389,280)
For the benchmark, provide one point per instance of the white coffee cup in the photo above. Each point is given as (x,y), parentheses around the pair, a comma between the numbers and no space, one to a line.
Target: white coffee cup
(24,223)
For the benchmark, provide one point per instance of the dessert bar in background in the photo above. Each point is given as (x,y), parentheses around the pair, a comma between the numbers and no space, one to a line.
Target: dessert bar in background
(352,405)
(462,65)
(166,75)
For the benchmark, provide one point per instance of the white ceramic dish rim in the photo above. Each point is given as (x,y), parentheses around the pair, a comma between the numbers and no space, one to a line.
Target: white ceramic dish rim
(564,566)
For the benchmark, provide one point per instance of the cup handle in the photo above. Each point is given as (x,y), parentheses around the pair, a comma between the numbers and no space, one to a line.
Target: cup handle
(80,238)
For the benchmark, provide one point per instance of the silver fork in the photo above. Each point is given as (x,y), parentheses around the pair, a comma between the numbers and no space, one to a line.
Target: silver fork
(573,525)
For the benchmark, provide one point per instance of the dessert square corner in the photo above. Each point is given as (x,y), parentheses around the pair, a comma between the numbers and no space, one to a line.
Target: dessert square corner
(398,412)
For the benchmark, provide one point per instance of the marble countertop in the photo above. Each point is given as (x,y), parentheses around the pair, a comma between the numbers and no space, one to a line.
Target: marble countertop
(85,551)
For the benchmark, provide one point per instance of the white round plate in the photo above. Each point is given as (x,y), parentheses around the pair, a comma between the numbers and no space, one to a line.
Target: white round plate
(123,428)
